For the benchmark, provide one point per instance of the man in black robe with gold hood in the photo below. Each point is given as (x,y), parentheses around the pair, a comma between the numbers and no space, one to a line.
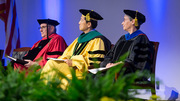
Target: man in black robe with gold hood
(135,42)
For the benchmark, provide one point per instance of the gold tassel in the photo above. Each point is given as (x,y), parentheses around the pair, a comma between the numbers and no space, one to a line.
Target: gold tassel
(88,17)
(136,20)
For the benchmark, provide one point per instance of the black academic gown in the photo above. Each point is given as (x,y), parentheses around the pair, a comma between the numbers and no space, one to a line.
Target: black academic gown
(140,53)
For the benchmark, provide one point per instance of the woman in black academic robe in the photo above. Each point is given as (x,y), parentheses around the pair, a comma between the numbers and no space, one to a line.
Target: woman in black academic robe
(135,42)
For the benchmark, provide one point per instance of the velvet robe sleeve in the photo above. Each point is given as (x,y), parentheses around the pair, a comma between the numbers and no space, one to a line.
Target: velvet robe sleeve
(141,54)
(56,44)
(92,53)
(110,55)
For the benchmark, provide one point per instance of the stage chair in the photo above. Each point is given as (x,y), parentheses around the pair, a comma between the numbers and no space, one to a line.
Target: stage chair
(152,84)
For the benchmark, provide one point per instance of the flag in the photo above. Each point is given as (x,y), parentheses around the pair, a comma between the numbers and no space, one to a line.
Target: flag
(9,16)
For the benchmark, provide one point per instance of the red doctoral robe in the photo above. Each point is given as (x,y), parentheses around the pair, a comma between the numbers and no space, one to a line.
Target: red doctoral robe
(56,44)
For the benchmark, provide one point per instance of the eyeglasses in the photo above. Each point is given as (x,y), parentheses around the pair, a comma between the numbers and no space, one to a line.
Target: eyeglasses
(43,27)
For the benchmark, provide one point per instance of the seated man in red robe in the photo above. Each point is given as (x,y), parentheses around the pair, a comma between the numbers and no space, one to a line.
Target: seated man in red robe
(51,45)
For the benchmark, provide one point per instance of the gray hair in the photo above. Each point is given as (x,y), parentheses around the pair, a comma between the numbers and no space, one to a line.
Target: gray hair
(130,18)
